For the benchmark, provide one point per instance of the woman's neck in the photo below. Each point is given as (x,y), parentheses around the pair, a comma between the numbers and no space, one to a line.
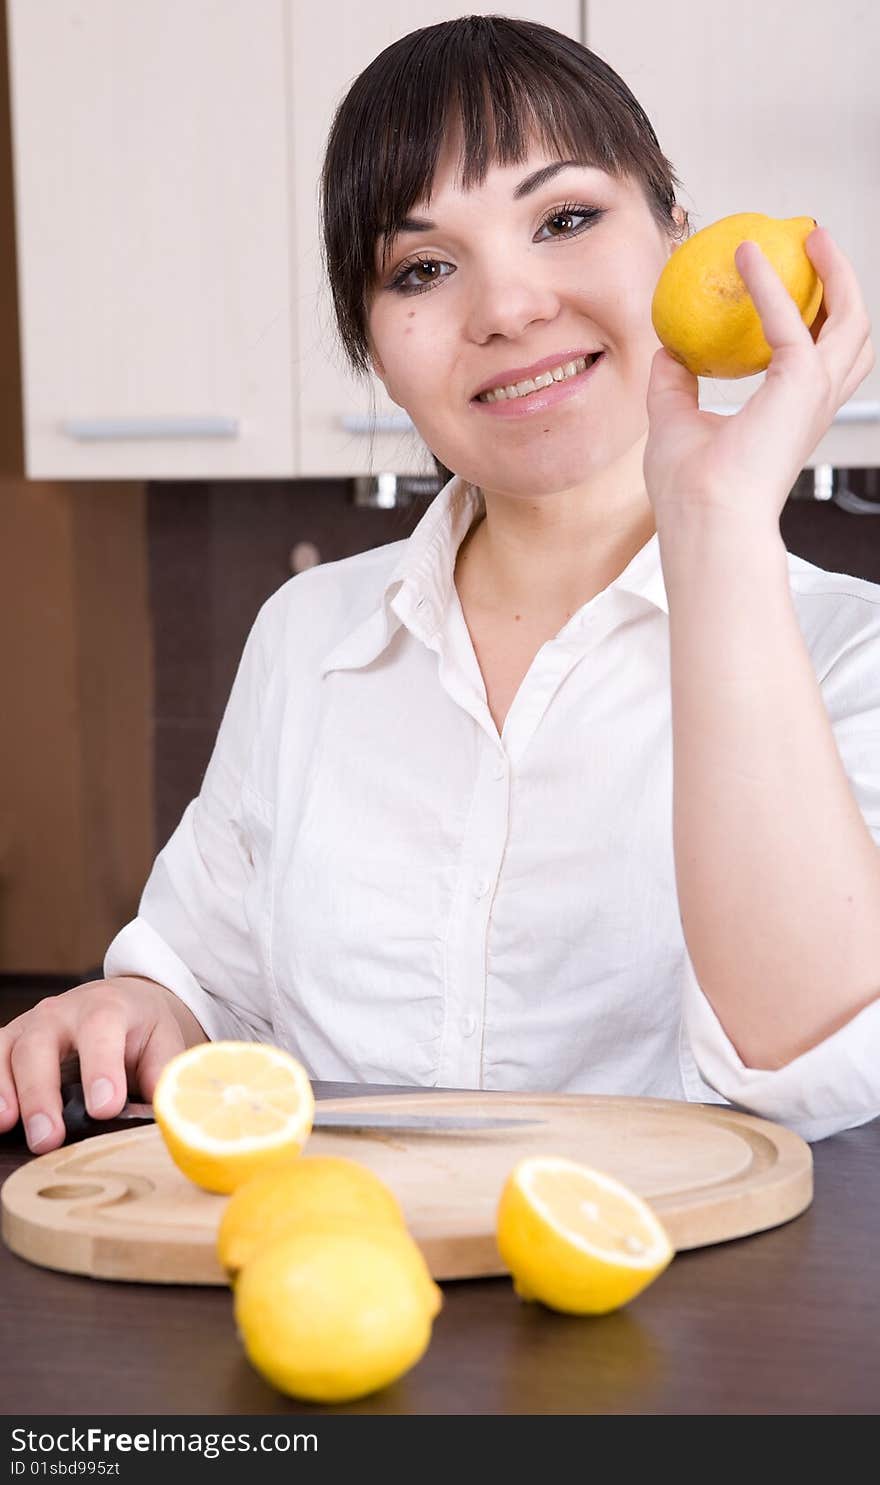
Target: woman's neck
(547,558)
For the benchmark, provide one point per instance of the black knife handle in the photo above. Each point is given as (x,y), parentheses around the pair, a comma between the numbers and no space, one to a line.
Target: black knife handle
(79,1123)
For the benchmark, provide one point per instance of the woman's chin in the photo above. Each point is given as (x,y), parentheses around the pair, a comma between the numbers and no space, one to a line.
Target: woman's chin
(546,474)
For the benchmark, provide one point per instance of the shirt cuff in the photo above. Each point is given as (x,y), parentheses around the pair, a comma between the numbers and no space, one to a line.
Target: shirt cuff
(833,1086)
(139,950)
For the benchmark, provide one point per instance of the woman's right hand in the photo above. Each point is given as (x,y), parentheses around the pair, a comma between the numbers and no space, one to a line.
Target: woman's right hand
(123,1030)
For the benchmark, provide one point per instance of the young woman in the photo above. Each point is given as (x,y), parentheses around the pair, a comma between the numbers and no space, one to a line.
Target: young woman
(578,788)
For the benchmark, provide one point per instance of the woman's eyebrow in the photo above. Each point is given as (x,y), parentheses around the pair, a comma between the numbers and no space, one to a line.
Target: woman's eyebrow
(526,187)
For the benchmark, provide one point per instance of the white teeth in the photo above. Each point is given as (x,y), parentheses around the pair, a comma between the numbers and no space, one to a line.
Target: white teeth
(522,389)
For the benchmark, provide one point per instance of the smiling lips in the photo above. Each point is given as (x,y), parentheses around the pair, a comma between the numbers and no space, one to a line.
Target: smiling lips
(545,379)
(516,375)
(544,391)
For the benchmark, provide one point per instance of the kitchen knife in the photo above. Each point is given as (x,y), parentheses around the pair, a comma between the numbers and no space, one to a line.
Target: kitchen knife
(79,1124)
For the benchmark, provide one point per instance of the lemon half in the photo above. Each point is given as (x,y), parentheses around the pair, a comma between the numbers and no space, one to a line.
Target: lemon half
(228,1110)
(576,1239)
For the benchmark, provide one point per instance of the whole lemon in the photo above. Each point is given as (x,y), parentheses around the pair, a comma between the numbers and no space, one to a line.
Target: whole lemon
(329,1315)
(702,311)
(310,1188)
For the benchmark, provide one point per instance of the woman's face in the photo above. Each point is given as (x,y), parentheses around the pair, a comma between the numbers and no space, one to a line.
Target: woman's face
(515,281)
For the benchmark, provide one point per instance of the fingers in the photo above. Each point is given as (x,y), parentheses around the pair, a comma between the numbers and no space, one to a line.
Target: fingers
(839,338)
(111,1026)
(846,325)
(780,317)
(31,1074)
(165,1041)
(865,363)
(101,1039)
(90,1020)
(8,1099)
(842,294)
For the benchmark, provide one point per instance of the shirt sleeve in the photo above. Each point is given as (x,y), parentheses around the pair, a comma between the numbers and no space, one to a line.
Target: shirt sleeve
(835,1085)
(196,930)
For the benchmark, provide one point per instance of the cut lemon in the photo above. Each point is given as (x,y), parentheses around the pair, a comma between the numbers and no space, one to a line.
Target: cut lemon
(229,1110)
(576,1239)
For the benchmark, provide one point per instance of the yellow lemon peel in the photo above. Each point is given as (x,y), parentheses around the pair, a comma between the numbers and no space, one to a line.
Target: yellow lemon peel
(330,1316)
(313,1188)
(702,311)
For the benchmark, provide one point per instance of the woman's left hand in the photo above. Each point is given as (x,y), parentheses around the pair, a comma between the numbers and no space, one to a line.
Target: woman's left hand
(748,461)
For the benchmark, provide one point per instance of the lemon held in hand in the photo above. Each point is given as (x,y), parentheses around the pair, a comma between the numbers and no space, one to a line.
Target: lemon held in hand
(228,1110)
(575,1238)
(702,311)
(315,1188)
(332,1315)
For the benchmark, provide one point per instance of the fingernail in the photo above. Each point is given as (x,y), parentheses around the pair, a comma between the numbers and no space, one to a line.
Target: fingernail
(3,1104)
(37,1129)
(100,1093)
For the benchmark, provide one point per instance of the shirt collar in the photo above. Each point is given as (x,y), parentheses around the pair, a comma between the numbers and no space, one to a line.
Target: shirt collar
(418,589)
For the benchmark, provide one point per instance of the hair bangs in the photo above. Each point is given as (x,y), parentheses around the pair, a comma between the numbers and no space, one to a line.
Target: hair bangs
(501,99)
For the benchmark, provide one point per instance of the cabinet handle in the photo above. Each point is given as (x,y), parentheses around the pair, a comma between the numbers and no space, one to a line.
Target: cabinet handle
(113,428)
(851,412)
(385,423)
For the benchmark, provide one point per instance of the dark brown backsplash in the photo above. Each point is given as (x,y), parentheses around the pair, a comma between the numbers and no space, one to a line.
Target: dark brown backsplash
(218,550)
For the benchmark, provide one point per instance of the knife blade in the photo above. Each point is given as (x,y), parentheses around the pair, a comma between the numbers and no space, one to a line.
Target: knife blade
(79,1123)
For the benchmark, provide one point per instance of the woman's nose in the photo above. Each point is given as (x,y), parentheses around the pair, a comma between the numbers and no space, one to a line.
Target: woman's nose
(507,302)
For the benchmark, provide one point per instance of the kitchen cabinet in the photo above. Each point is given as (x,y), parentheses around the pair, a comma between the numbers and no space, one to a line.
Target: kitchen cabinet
(175,321)
(151,160)
(767,108)
(174,318)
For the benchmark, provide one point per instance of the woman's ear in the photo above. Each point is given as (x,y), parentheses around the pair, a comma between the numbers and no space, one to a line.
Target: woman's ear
(680,216)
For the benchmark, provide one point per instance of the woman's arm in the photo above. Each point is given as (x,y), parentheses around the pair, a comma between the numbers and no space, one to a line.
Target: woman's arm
(778,875)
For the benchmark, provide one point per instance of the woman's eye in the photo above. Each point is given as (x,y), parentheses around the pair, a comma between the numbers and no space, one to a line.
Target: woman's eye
(569,211)
(400,284)
(588,214)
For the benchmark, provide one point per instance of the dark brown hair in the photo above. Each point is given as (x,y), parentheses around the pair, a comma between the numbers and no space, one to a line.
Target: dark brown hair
(505,81)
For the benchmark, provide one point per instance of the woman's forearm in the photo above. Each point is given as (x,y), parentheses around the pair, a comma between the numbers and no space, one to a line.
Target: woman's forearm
(778,875)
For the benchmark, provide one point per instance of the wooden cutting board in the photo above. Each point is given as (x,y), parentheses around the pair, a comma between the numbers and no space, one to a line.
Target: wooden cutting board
(116,1206)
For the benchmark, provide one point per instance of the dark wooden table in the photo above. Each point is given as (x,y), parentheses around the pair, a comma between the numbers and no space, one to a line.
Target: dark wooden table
(786,1321)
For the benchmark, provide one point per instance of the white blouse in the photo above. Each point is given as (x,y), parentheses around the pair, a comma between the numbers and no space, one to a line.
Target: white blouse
(376,880)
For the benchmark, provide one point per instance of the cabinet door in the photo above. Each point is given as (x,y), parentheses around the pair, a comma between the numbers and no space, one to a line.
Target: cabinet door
(328,396)
(152,194)
(769,108)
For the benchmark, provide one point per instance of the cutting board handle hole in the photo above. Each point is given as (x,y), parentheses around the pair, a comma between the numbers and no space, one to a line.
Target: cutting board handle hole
(70,1192)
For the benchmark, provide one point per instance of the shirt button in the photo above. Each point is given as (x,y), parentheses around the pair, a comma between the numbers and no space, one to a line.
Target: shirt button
(468,1025)
(481,888)
(500,769)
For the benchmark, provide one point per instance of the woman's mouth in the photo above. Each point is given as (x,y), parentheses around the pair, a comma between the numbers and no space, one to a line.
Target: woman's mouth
(566,381)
